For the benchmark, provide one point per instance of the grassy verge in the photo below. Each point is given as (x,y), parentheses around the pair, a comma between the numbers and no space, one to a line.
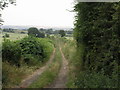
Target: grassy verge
(50,74)
(15,69)
(13,75)
(68,48)
(79,78)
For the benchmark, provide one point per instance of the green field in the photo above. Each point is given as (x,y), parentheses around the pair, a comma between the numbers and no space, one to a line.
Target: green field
(13,36)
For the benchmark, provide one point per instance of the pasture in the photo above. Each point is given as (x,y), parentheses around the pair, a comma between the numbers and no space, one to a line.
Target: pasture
(12,36)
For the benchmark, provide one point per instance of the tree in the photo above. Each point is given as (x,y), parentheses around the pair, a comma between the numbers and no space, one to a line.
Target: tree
(41,34)
(62,33)
(49,31)
(22,32)
(3,4)
(34,32)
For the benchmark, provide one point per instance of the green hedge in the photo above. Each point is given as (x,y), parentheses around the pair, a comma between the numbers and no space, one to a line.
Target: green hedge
(97,29)
(89,79)
(11,52)
(27,49)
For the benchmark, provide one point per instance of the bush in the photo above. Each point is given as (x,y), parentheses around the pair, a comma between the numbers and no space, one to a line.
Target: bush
(35,47)
(28,49)
(47,46)
(30,45)
(88,79)
(7,35)
(28,52)
(31,60)
(11,52)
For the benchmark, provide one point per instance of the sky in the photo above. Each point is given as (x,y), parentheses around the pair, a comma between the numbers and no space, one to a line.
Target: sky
(44,13)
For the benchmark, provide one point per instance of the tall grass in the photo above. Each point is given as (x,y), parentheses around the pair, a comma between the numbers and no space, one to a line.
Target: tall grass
(81,78)
(68,48)
(48,76)
(13,73)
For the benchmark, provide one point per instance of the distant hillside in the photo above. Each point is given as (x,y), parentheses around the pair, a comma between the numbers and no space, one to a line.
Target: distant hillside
(26,27)
(15,27)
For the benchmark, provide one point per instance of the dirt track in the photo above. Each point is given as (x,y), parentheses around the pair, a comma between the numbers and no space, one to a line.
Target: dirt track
(61,80)
(26,82)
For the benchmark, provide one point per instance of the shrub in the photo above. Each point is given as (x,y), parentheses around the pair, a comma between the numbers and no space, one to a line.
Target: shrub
(35,47)
(30,45)
(7,35)
(28,48)
(28,52)
(47,46)
(88,79)
(11,52)
(31,60)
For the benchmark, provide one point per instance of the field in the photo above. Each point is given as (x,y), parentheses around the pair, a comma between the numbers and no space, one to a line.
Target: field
(13,36)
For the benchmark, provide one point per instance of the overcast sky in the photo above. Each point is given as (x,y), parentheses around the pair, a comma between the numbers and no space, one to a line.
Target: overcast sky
(46,13)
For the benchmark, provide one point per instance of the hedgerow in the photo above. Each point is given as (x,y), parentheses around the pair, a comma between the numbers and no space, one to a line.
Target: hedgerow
(11,52)
(97,29)
(22,57)
(29,48)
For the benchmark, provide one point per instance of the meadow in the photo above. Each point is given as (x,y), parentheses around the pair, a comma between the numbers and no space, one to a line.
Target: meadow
(13,36)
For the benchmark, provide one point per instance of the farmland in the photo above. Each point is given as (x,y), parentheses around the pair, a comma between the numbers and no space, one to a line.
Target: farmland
(86,57)
(13,36)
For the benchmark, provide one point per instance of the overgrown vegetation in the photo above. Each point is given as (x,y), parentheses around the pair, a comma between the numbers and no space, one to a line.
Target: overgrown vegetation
(93,55)
(79,78)
(12,75)
(70,52)
(11,52)
(48,76)
(24,55)
(97,36)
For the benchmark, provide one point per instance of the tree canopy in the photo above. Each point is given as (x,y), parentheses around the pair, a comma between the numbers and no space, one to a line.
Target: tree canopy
(62,33)
(3,4)
(34,32)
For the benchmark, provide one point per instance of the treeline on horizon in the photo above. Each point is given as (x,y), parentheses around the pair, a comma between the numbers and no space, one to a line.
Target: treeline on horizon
(45,31)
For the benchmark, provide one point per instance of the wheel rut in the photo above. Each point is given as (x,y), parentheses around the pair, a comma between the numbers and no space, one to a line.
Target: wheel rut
(30,79)
(60,81)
